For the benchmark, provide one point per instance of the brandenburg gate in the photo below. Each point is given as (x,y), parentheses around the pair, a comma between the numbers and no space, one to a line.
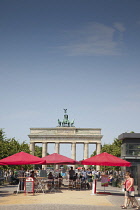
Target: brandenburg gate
(66,133)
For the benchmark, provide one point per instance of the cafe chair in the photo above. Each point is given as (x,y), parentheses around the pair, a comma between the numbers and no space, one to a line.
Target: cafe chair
(50,184)
(83,185)
(56,184)
(78,184)
(71,184)
(39,186)
(60,182)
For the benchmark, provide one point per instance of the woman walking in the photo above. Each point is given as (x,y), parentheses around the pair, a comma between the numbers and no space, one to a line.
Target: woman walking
(129,192)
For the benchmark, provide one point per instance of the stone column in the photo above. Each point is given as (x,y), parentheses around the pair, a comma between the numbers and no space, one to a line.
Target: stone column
(44,149)
(56,148)
(73,152)
(85,153)
(98,150)
(44,153)
(32,148)
(57,151)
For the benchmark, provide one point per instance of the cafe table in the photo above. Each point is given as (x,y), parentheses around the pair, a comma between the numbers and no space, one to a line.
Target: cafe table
(20,187)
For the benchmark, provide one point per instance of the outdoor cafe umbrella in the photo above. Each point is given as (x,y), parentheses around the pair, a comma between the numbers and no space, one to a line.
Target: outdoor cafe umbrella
(21,158)
(56,158)
(105,159)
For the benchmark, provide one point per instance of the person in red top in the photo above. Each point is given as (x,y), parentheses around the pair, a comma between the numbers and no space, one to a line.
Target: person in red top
(129,191)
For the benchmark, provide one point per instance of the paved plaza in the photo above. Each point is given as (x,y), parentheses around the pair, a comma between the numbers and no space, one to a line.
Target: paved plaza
(112,198)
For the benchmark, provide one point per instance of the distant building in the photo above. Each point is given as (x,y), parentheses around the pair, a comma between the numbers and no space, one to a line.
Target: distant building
(130,151)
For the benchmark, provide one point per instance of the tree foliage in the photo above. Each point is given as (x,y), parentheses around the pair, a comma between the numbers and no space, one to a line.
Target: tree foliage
(113,149)
(11,146)
(38,151)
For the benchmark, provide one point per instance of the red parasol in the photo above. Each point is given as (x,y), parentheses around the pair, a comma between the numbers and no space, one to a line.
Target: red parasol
(105,159)
(56,158)
(21,158)
(79,167)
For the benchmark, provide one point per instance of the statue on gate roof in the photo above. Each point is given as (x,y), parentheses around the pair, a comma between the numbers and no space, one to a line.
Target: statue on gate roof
(65,110)
(65,122)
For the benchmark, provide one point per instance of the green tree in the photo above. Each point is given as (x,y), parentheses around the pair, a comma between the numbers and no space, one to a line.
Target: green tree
(9,147)
(113,149)
(94,153)
(2,144)
(116,151)
(107,148)
(24,147)
(2,135)
(38,151)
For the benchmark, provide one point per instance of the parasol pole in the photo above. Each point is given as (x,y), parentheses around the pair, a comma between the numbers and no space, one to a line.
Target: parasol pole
(104,173)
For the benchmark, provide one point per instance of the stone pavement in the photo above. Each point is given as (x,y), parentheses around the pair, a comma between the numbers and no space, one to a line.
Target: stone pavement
(64,199)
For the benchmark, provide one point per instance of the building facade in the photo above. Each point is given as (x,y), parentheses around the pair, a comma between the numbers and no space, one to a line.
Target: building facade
(130,151)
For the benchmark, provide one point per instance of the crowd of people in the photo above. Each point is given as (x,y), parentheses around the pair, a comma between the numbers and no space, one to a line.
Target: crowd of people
(81,173)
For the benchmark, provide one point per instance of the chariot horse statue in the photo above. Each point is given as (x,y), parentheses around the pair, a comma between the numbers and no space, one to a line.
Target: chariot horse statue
(65,122)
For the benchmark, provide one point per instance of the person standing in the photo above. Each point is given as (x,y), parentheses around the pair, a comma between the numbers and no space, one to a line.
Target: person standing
(84,174)
(124,189)
(130,191)
(71,173)
(21,176)
(89,177)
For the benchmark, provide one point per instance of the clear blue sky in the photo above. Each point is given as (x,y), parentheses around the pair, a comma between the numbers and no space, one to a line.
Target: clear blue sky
(83,55)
